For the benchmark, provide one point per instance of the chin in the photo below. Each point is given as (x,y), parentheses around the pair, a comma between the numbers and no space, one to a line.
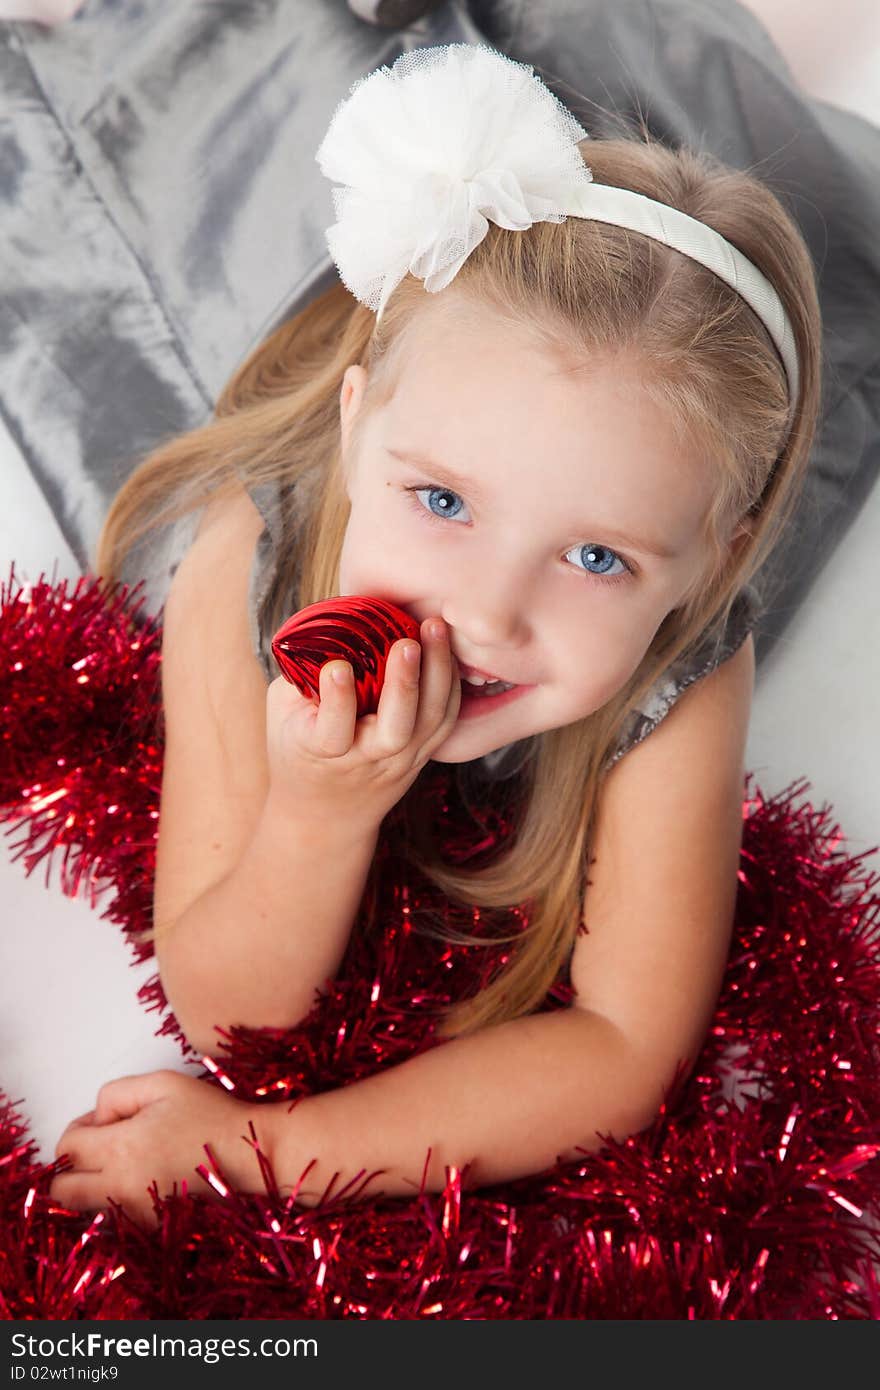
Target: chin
(454,751)
(452,758)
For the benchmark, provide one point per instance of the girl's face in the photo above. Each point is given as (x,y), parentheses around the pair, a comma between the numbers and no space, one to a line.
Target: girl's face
(522,501)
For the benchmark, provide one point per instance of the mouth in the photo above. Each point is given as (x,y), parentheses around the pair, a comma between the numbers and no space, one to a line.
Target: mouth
(486,699)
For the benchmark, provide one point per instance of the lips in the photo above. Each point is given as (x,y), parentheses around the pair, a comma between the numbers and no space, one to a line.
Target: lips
(473,706)
(475,671)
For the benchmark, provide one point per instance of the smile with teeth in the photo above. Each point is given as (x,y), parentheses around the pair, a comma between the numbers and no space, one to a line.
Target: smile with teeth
(486,685)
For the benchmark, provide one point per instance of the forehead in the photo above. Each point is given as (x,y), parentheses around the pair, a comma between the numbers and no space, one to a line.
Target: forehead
(496,400)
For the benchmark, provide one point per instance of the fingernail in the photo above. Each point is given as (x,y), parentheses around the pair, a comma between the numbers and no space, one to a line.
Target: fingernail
(436,630)
(341,674)
(411,654)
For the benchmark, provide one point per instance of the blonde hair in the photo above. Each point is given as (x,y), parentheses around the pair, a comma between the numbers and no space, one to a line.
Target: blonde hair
(582,287)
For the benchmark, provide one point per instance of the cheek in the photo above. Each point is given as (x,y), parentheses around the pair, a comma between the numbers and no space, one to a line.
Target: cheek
(601,654)
(357,560)
(345,564)
(368,564)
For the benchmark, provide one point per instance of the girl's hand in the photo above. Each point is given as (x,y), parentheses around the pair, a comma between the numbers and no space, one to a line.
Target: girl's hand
(325,763)
(154,1127)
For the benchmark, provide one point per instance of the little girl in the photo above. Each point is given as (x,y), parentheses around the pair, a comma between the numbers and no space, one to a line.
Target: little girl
(559,411)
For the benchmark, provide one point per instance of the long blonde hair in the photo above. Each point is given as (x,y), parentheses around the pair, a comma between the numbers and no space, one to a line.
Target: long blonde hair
(586,286)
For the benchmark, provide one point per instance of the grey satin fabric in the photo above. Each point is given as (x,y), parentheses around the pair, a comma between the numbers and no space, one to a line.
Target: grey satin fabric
(744,617)
(161,210)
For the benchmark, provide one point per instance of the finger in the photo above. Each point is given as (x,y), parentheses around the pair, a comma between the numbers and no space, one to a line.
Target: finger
(116,1102)
(76,1191)
(333,729)
(453,704)
(83,1145)
(399,700)
(86,1192)
(448,722)
(439,677)
(126,1095)
(70,1148)
(87,1119)
(284,694)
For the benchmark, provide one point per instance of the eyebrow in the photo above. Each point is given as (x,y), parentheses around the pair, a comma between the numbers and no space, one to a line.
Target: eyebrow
(459,483)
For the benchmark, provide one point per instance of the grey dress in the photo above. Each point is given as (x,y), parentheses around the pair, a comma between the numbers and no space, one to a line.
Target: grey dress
(159,564)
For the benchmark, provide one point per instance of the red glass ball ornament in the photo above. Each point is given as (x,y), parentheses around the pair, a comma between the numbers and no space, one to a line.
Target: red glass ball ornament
(356,629)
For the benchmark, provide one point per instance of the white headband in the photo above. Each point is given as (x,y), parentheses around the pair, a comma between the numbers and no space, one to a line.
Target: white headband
(431,150)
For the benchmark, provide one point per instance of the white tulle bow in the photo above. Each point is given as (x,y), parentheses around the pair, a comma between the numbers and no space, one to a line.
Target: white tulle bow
(431,150)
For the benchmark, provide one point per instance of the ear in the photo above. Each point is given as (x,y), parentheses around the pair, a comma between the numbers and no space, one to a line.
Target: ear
(351,396)
(722,562)
(739,537)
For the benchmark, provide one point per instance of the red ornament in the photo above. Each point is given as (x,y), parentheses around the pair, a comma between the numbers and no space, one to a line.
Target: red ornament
(359,630)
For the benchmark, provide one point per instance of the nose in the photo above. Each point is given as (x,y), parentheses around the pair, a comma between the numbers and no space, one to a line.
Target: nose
(488,615)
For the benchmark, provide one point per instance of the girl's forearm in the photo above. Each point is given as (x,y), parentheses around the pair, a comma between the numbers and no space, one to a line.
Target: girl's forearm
(254,948)
(508,1100)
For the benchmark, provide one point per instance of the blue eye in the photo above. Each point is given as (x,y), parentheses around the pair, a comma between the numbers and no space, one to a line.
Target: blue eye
(433,491)
(592,553)
(601,555)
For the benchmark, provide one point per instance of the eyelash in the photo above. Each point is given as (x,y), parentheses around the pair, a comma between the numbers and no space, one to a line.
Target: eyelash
(432,516)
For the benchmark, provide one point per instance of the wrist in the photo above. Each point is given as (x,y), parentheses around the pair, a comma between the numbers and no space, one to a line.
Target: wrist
(319,828)
(289,1137)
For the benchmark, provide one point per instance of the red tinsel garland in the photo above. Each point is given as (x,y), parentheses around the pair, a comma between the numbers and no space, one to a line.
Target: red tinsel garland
(754,1194)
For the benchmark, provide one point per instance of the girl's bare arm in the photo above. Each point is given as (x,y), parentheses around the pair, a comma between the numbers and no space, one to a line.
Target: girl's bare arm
(254,948)
(252,909)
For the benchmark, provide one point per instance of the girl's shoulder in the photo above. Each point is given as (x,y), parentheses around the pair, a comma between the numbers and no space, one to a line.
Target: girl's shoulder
(273,581)
(707,656)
